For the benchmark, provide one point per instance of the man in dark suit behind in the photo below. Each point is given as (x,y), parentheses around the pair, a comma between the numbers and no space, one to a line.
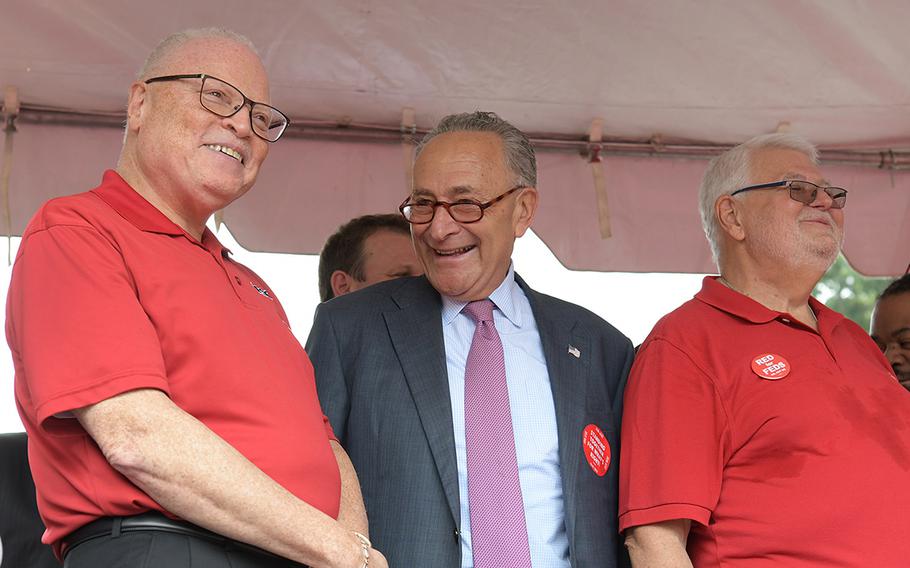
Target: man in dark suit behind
(399,367)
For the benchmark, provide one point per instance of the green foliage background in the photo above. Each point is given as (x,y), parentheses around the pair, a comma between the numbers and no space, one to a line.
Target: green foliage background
(849,292)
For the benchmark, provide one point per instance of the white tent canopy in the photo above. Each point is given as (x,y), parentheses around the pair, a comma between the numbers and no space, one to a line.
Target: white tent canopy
(669,80)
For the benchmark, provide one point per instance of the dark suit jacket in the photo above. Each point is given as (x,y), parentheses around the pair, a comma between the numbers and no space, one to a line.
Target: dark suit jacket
(20,526)
(381,374)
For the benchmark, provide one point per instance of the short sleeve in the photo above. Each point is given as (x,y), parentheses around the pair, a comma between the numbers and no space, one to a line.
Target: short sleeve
(674,439)
(75,324)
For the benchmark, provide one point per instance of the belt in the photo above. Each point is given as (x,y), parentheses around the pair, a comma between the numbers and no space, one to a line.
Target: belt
(155,522)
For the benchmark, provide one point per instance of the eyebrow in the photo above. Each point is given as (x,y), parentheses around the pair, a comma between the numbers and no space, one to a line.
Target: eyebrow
(455,191)
(792,175)
(894,333)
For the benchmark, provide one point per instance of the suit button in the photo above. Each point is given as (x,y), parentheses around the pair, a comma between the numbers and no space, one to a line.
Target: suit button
(457,534)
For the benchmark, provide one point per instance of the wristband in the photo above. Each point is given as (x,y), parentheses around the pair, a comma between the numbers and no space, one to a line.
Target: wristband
(365,547)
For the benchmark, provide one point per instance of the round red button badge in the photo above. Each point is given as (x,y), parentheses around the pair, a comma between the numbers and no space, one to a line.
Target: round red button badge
(597,449)
(770,366)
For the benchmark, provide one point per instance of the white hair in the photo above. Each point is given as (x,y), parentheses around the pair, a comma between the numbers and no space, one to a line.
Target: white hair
(732,170)
(176,40)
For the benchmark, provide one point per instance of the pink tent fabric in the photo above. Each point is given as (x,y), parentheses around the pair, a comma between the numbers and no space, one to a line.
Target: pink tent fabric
(672,73)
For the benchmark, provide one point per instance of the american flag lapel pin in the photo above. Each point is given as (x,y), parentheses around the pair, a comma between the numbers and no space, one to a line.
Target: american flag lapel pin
(574,352)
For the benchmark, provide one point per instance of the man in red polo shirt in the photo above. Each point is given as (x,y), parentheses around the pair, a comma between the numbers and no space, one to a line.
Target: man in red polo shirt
(172,416)
(761,428)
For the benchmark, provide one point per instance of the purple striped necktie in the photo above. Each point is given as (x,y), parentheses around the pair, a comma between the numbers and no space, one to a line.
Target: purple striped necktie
(499,534)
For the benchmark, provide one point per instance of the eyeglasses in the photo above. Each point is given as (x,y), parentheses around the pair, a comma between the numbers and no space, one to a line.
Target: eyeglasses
(804,191)
(224,99)
(422,211)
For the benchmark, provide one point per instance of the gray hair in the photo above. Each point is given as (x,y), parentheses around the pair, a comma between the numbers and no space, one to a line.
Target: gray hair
(732,170)
(176,40)
(519,153)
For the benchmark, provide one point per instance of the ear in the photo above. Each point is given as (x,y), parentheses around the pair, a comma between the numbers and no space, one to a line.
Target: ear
(728,212)
(137,105)
(341,282)
(525,209)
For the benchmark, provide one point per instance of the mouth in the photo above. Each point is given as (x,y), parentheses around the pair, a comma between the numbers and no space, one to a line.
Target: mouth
(226,151)
(454,252)
(820,221)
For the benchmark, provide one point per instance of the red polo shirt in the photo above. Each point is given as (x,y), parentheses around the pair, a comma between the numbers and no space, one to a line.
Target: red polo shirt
(802,459)
(108,296)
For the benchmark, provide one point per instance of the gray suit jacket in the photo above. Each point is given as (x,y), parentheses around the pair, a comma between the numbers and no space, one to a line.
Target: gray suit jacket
(381,374)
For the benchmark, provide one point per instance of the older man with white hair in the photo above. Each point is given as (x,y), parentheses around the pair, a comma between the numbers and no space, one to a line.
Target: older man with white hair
(760,427)
(172,416)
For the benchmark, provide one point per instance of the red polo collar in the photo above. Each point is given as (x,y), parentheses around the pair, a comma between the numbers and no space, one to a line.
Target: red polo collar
(723,298)
(133,207)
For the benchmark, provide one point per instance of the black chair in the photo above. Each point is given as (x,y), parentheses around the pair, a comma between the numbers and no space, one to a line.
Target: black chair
(20,526)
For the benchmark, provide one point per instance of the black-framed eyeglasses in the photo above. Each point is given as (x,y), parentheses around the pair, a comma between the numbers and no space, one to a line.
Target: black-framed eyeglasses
(804,191)
(422,211)
(226,100)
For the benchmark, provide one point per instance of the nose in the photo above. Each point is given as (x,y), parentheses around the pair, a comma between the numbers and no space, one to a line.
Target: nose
(241,121)
(822,200)
(443,225)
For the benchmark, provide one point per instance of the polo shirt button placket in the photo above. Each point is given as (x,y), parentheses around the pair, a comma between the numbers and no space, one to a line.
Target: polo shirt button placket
(222,257)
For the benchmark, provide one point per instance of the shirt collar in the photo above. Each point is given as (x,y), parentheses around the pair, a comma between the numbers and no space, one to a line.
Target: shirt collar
(724,298)
(127,202)
(503,296)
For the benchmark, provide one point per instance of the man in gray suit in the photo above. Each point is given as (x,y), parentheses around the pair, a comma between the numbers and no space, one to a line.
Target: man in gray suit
(490,444)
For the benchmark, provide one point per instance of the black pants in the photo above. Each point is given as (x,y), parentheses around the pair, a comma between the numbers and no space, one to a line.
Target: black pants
(156,549)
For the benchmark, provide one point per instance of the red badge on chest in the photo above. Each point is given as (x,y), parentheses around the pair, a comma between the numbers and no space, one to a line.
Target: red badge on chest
(770,366)
(597,449)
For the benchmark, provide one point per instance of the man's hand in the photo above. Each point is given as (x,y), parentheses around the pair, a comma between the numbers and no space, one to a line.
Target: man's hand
(377,560)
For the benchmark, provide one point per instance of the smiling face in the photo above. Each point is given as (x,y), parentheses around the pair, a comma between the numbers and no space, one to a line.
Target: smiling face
(468,261)
(782,229)
(891,332)
(186,160)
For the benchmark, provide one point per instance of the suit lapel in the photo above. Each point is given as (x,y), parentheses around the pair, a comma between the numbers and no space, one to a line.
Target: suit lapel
(568,372)
(416,333)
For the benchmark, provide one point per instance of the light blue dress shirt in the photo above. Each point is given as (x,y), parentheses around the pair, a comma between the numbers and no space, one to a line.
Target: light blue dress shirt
(533,420)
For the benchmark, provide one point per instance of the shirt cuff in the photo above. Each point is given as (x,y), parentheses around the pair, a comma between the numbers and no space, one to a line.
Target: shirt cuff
(661,513)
